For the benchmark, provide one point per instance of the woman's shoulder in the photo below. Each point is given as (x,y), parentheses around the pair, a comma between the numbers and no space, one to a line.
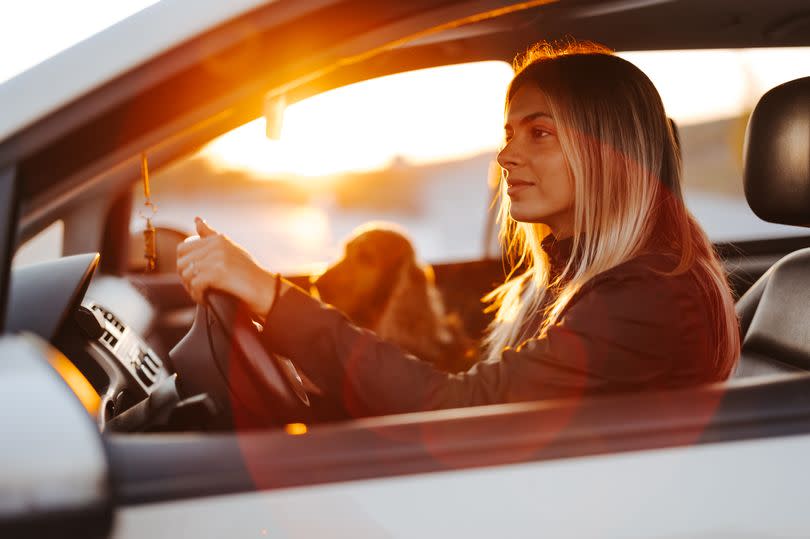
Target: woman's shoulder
(641,320)
(642,304)
(649,267)
(647,279)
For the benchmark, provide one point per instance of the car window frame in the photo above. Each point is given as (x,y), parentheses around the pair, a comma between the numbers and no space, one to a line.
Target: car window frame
(152,468)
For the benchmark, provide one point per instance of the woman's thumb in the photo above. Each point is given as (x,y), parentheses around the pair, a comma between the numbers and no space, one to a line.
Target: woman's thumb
(203,229)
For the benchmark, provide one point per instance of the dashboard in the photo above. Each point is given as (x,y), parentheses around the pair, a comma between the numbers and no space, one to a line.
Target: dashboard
(136,366)
(217,376)
(50,299)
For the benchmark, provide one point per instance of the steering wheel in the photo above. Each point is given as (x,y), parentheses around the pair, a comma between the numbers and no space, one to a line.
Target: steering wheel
(251,386)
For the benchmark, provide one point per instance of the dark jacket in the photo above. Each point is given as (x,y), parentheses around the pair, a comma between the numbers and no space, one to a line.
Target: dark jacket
(628,329)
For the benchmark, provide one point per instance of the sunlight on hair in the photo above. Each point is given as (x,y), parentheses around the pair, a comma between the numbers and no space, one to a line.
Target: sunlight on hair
(422,116)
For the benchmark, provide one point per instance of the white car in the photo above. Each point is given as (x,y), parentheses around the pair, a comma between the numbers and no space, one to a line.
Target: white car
(88,331)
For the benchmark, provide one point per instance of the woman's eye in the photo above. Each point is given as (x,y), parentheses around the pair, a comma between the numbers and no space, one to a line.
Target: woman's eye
(539,133)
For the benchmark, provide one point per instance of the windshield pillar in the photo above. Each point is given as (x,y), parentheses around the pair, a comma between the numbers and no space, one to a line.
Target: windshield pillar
(8,230)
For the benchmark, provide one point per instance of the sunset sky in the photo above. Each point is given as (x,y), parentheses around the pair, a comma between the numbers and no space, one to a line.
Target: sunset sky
(421,116)
(424,116)
(455,111)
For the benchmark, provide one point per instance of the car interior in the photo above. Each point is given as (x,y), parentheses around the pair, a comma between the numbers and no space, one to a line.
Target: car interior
(164,381)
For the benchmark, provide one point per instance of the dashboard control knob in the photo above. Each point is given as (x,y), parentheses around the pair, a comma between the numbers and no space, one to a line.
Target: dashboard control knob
(90,322)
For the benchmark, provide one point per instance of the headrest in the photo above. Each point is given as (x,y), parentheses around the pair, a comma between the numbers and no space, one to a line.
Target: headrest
(777,155)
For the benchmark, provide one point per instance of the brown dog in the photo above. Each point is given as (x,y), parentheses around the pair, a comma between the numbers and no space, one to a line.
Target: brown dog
(379,285)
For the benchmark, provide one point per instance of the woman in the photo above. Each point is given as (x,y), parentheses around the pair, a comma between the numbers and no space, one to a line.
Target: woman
(621,290)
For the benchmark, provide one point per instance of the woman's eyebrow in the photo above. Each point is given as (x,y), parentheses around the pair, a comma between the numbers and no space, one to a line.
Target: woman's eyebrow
(530,118)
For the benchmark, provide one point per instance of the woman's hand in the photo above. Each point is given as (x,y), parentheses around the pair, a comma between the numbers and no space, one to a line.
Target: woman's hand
(212,260)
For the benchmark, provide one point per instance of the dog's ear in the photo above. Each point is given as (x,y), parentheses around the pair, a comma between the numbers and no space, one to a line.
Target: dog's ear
(386,281)
(410,296)
(398,254)
(436,303)
(408,311)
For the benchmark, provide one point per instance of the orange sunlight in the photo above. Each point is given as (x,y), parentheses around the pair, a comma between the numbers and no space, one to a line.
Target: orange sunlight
(453,112)
(295,429)
(308,226)
(77,382)
(422,116)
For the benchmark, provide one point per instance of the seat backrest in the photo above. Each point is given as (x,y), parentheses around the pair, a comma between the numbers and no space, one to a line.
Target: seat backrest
(775,312)
(776,326)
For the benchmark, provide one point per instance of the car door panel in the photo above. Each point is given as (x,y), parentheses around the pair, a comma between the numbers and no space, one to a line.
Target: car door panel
(634,495)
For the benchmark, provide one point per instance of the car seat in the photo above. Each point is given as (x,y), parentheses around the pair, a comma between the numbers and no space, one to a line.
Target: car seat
(775,312)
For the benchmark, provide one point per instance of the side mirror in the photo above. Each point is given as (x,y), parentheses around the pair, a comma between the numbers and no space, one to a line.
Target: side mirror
(274,107)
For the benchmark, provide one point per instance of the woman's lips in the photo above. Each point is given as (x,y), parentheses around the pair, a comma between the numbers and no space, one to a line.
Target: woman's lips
(516,186)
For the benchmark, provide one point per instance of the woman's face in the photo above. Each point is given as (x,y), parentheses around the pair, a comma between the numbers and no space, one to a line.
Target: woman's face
(539,183)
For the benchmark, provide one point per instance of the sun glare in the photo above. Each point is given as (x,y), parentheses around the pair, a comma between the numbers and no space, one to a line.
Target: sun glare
(456,111)
(308,226)
(422,116)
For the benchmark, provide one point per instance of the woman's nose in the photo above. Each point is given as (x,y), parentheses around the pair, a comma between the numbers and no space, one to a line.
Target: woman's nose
(507,157)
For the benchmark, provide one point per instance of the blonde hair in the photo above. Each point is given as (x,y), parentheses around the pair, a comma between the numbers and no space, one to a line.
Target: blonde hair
(625,166)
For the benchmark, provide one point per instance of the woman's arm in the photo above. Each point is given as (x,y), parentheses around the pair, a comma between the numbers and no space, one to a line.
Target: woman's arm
(630,330)
(620,335)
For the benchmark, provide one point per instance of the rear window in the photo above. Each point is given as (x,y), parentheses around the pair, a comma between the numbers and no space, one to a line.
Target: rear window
(710,95)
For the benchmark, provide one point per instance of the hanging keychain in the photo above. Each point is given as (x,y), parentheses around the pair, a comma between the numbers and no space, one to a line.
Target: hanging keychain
(150,248)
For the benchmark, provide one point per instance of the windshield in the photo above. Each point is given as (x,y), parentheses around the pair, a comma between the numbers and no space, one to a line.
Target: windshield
(415,149)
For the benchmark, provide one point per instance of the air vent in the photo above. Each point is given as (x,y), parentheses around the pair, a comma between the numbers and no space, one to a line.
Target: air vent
(154,363)
(143,365)
(144,373)
(110,318)
(139,359)
(110,339)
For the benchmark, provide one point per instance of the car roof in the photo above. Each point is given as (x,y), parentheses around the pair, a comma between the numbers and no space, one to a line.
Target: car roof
(108,54)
